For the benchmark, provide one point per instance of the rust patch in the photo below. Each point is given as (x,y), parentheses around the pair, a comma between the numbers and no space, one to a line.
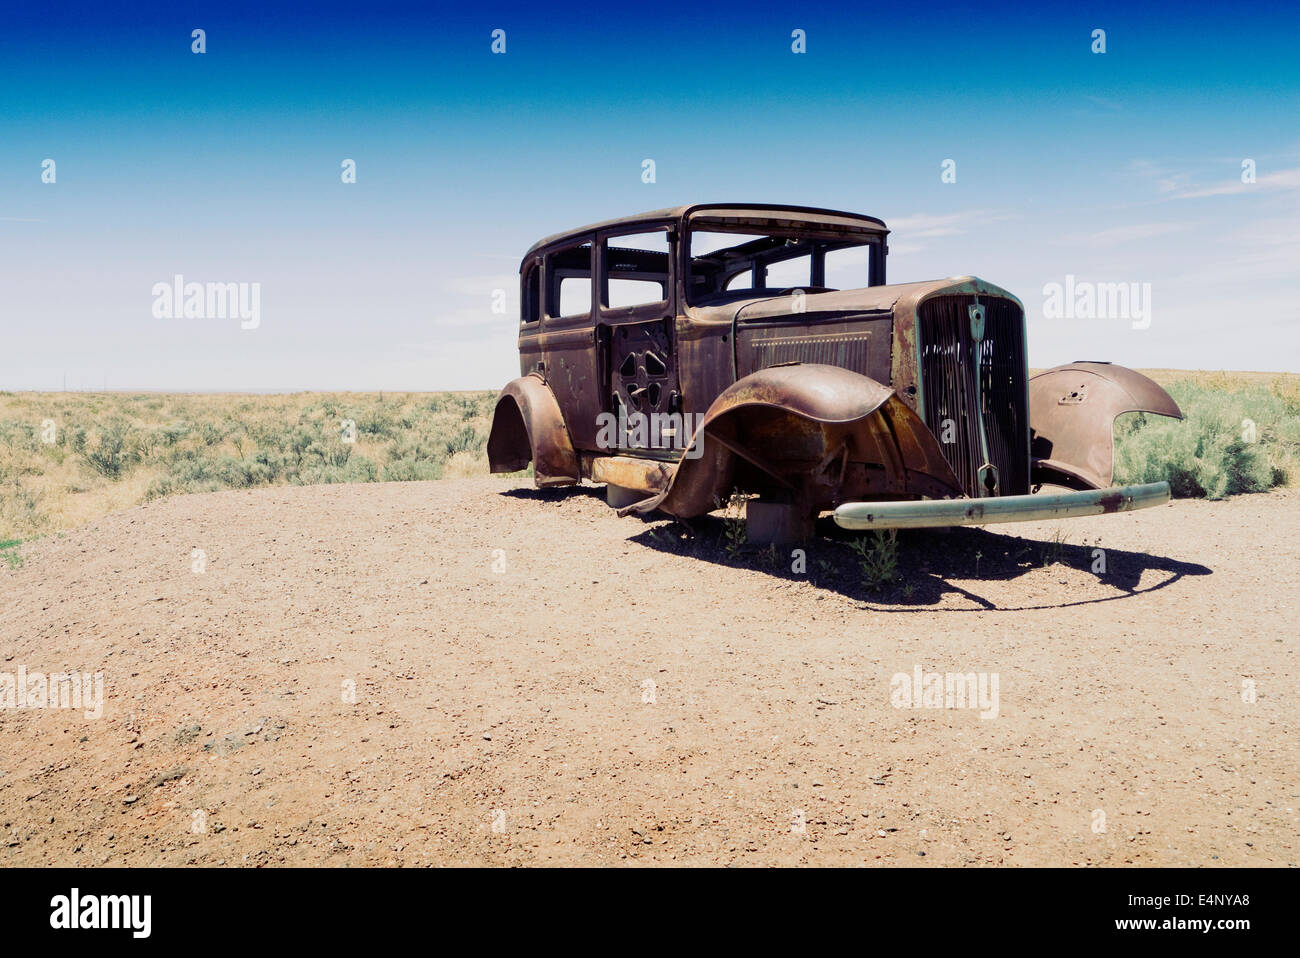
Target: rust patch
(1072,412)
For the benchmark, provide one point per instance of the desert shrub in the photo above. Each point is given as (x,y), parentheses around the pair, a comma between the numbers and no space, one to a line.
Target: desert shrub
(237,473)
(356,469)
(1288,393)
(330,452)
(298,442)
(146,443)
(21,436)
(411,469)
(210,433)
(159,487)
(237,432)
(277,463)
(108,449)
(467,439)
(173,434)
(1212,453)
(21,513)
(463,406)
(429,445)
(196,473)
(374,422)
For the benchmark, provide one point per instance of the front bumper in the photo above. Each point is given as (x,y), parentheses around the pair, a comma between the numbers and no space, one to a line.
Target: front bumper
(929,513)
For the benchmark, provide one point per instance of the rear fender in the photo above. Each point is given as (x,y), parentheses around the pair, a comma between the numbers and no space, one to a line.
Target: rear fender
(527,425)
(818,435)
(1072,412)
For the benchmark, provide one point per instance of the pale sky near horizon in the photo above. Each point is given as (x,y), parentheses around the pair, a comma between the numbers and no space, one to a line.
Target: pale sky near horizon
(225,167)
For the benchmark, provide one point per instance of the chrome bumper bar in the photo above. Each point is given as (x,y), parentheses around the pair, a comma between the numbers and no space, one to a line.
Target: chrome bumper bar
(928,513)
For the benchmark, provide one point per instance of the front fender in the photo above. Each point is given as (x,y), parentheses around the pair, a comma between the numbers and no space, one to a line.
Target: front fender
(1072,412)
(817,435)
(527,425)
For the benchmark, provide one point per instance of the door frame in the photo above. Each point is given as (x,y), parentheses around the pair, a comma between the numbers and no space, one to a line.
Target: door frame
(613,322)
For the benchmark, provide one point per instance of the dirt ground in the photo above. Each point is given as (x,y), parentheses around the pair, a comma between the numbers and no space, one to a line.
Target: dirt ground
(358,676)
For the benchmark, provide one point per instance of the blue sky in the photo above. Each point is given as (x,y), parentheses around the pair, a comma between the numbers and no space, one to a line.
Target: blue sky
(224,167)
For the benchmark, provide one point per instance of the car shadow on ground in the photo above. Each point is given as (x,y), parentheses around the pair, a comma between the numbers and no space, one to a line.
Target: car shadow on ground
(554,493)
(929,563)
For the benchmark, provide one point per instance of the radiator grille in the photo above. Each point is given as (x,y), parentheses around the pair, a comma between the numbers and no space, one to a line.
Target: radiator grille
(948,364)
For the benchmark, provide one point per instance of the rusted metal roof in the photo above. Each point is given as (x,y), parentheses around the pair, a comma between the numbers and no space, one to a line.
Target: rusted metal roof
(805,214)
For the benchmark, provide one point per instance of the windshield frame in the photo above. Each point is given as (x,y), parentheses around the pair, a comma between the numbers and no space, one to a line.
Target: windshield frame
(814,239)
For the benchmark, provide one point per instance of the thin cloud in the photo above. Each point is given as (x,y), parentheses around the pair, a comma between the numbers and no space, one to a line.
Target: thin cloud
(1183,184)
(1166,179)
(1281,180)
(1109,106)
(932,225)
(1261,255)
(1118,235)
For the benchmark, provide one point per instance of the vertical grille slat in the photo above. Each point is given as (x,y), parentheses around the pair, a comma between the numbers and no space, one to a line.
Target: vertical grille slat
(948,353)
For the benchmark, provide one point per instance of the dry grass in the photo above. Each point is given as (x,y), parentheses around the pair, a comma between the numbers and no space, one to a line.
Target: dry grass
(111,451)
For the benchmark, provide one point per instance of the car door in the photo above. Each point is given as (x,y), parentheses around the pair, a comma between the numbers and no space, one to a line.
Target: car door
(567,340)
(635,330)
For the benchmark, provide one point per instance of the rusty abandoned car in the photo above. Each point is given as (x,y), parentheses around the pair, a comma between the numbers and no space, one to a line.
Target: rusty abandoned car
(681,355)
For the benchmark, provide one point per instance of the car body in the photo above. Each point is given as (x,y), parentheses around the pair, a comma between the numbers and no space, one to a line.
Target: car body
(681,355)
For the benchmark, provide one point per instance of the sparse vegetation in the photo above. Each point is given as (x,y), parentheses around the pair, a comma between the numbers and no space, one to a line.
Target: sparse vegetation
(1053,550)
(734,530)
(9,552)
(116,450)
(877,558)
(110,451)
(1240,435)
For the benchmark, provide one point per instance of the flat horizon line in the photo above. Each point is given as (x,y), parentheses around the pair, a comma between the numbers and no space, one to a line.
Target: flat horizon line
(280,391)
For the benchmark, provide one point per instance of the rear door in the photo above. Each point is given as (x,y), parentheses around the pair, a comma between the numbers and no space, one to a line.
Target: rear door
(635,329)
(567,340)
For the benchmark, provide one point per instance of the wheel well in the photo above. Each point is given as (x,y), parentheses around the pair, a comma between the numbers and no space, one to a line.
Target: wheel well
(508,447)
